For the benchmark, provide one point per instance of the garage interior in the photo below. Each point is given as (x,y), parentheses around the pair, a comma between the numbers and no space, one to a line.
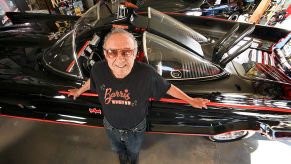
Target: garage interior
(26,142)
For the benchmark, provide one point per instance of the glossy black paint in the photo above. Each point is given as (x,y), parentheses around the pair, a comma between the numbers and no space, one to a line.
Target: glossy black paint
(31,90)
(35,29)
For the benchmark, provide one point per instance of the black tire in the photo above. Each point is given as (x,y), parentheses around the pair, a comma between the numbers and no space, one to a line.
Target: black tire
(239,135)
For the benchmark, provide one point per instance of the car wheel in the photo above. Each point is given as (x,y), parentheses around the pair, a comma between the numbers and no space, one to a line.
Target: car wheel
(228,137)
(234,16)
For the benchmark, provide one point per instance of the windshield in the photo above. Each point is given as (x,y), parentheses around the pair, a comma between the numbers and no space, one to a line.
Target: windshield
(175,30)
(59,57)
(64,54)
(174,62)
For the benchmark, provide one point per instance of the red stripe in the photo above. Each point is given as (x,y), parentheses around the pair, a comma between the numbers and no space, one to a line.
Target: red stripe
(83,94)
(120,26)
(91,126)
(221,19)
(168,100)
(49,121)
(190,134)
(263,57)
(251,107)
(79,54)
(276,72)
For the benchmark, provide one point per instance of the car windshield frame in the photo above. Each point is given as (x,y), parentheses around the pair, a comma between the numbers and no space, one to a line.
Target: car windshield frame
(198,61)
(175,31)
(89,19)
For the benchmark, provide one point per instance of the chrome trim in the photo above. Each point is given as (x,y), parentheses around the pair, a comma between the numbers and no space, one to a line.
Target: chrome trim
(149,13)
(202,78)
(52,68)
(230,135)
(75,55)
(144,46)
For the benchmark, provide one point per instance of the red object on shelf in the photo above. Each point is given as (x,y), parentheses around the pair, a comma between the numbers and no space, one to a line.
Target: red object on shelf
(120,26)
(288,10)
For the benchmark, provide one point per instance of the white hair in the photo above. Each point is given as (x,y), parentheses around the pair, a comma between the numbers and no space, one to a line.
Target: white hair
(121,31)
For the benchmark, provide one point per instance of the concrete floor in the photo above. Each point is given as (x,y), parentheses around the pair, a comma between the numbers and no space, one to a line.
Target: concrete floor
(31,142)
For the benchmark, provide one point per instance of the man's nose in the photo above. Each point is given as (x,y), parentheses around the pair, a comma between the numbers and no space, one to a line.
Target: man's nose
(120,56)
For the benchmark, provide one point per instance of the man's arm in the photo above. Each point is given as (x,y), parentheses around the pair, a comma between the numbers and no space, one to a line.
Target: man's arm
(195,102)
(77,92)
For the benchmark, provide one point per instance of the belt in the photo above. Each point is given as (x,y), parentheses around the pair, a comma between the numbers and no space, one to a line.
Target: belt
(134,129)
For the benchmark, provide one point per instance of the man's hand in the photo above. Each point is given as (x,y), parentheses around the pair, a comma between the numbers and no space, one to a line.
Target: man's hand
(77,92)
(199,102)
(74,92)
(195,102)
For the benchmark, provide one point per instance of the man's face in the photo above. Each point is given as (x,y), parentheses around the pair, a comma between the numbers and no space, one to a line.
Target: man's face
(119,53)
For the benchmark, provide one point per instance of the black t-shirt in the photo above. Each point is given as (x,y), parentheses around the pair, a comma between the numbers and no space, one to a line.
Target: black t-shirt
(125,101)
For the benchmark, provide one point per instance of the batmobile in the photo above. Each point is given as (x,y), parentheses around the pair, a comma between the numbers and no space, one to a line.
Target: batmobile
(244,69)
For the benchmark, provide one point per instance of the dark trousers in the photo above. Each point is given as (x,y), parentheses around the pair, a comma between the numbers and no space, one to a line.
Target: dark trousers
(126,143)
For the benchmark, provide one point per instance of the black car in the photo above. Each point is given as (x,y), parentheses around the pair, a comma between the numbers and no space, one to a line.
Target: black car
(37,29)
(244,69)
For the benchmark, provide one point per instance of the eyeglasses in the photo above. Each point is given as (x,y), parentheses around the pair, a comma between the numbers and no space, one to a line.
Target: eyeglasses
(113,53)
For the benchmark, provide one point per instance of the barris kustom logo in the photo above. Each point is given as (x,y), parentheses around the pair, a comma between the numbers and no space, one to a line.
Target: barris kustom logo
(118,97)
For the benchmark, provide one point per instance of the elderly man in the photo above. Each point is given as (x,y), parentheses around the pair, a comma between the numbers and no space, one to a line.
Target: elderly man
(124,87)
